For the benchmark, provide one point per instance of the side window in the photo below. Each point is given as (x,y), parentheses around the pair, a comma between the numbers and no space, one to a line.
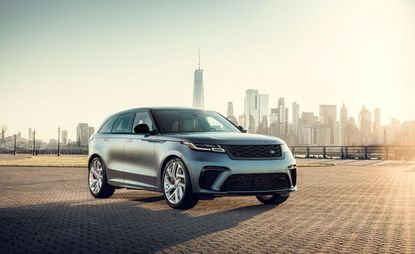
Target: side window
(106,128)
(143,117)
(123,123)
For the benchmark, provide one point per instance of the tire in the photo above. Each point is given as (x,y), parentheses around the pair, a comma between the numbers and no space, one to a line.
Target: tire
(177,186)
(97,179)
(273,199)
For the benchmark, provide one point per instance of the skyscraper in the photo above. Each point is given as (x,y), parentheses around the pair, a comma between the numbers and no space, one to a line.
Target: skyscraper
(377,117)
(30,133)
(251,110)
(328,116)
(64,134)
(365,119)
(91,131)
(230,115)
(286,127)
(281,117)
(274,115)
(241,120)
(83,133)
(353,133)
(263,126)
(263,110)
(273,127)
(307,129)
(198,89)
(328,113)
(229,110)
(343,114)
(295,117)
(256,107)
(344,135)
(377,130)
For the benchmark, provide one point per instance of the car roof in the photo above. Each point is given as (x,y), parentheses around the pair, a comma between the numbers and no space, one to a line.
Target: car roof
(154,108)
(158,108)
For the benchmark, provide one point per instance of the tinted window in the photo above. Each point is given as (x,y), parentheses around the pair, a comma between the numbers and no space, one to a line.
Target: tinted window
(176,121)
(123,123)
(107,127)
(143,117)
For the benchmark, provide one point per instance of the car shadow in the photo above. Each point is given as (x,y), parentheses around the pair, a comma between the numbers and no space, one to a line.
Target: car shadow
(149,199)
(111,225)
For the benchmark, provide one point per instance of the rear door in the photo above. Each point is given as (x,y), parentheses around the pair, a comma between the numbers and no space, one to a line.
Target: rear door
(116,147)
(139,166)
(110,150)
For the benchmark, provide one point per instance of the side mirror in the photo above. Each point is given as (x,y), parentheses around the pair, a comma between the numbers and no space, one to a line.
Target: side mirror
(242,129)
(142,129)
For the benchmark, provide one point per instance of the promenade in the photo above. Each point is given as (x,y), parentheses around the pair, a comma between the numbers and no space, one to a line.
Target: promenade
(355,206)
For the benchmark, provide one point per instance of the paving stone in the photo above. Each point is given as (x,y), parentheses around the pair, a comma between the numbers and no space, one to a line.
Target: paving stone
(354,207)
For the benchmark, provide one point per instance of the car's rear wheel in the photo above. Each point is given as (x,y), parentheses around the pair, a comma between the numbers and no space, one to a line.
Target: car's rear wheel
(272,199)
(177,187)
(97,179)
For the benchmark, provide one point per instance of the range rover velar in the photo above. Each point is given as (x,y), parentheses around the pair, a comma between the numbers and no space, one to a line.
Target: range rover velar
(187,154)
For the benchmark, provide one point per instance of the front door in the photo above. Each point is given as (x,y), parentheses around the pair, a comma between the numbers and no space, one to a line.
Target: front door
(139,164)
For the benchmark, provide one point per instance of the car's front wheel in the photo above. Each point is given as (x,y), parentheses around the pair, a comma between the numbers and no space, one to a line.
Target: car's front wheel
(177,187)
(273,199)
(97,179)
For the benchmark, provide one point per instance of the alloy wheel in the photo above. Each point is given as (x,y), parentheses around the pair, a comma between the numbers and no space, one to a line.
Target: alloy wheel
(95,176)
(174,183)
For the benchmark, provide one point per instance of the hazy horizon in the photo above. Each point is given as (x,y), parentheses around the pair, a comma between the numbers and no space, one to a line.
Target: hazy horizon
(62,63)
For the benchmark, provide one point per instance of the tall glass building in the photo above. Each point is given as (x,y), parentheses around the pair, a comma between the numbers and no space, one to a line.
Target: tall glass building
(198,89)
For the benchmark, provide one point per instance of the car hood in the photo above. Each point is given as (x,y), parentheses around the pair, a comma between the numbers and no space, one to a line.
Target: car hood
(227,138)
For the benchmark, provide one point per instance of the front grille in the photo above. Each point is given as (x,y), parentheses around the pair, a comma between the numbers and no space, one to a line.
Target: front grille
(245,152)
(256,182)
(208,178)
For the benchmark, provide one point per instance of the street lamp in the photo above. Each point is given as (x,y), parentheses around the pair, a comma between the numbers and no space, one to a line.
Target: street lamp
(15,144)
(59,139)
(34,142)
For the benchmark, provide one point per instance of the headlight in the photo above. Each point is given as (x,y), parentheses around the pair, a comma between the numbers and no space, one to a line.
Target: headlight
(205,147)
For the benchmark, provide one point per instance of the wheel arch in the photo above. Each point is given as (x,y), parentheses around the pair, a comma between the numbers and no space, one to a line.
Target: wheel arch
(93,156)
(163,165)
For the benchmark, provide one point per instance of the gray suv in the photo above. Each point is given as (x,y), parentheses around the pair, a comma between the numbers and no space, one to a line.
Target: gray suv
(187,154)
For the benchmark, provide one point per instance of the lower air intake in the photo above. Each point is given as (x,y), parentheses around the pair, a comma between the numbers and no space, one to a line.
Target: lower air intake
(256,182)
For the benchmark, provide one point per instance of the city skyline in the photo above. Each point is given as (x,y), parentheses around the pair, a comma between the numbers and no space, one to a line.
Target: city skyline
(57,70)
(288,124)
(329,127)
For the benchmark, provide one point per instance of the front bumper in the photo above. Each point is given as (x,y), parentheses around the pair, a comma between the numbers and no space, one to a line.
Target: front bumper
(221,168)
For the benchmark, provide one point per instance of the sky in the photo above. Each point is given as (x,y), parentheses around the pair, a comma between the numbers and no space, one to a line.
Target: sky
(65,62)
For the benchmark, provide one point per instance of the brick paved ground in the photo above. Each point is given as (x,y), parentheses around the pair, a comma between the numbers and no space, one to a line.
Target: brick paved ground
(356,206)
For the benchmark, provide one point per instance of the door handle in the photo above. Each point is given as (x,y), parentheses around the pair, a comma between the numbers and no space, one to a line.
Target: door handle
(129,140)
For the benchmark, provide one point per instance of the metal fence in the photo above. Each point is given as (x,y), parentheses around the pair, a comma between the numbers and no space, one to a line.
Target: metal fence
(66,150)
(355,152)
(322,152)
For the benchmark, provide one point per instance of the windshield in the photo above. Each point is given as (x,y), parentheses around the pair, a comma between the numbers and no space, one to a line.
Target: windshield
(180,121)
